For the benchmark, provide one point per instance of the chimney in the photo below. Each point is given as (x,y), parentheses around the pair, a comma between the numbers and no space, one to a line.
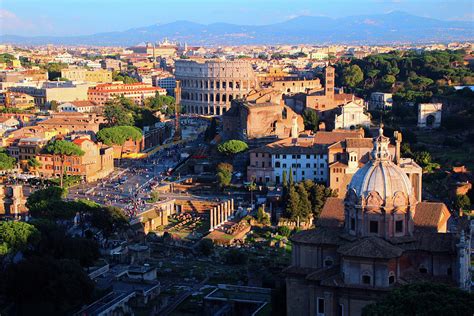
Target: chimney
(398,141)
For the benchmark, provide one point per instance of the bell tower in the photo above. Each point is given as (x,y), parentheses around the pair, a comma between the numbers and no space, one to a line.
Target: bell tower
(329,83)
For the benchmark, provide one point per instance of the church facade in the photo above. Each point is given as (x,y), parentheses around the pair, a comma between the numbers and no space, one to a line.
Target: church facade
(378,237)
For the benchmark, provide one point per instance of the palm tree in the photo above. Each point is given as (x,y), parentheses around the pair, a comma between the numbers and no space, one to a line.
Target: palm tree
(33,165)
(252,187)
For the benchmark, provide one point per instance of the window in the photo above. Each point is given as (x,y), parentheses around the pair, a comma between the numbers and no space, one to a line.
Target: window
(277,164)
(374,227)
(353,223)
(391,278)
(320,306)
(340,310)
(328,262)
(423,269)
(399,226)
(449,271)
(366,279)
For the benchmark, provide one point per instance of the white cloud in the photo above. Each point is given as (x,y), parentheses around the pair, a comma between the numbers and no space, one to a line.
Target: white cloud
(10,23)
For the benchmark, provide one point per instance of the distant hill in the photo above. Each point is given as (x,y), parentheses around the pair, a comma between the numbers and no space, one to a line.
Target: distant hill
(394,27)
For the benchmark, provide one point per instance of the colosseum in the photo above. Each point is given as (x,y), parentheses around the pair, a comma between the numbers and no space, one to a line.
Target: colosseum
(209,85)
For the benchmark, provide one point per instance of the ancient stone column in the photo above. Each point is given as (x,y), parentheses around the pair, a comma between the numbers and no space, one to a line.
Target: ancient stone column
(226,211)
(211,219)
(219,217)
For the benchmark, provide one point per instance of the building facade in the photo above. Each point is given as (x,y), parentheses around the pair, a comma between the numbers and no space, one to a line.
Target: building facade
(377,238)
(137,92)
(209,86)
(80,74)
(380,101)
(96,163)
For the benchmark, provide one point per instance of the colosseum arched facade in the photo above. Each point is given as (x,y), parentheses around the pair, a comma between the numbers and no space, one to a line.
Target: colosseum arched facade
(209,86)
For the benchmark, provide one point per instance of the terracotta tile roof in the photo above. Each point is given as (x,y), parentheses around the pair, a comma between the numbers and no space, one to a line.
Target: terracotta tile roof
(370,247)
(82,103)
(324,273)
(79,141)
(295,270)
(359,143)
(338,164)
(332,214)
(428,215)
(431,242)
(327,138)
(319,236)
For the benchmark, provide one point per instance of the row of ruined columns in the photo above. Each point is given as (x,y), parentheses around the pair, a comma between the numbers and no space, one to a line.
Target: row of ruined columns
(220,213)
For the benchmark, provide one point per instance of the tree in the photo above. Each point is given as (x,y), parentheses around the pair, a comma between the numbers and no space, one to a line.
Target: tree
(291,182)
(284,179)
(423,299)
(311,120)
(304,204)
(352,76)
(284,231)
(235,256)
(251,187)
(63,149)
(119,135)
(388,81)
(206,246)
(117,115)
(48,204)
(262,217)
(232,147)
(163,103)
(319,195)
(224,174)
(462,202)
(211,130)
(45,286)
(293,204)
(17,236)
(109,219)
(53,105)
(33,164)
(6,162)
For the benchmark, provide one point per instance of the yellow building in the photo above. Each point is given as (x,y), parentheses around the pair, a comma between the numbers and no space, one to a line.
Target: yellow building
(16,63)
(79,74)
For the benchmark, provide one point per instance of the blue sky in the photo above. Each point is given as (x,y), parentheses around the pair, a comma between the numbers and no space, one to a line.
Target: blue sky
(77,17)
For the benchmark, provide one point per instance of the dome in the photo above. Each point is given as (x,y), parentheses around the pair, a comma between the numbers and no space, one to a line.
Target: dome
(381,175)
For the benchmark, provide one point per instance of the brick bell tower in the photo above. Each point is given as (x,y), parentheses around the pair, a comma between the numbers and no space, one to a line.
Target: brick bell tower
(329,84)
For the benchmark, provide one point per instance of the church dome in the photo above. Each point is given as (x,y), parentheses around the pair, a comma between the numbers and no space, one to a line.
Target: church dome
(381,175)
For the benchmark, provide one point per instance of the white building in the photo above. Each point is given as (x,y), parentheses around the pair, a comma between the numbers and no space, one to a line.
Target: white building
(304,162)
(65,58)
(350,116)
(78,106)
(429,115)
(380,101)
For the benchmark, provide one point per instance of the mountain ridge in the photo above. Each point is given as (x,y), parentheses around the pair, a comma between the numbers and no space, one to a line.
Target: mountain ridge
(392,27)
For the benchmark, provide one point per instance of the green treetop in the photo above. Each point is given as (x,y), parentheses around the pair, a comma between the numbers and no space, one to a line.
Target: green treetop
(63,149)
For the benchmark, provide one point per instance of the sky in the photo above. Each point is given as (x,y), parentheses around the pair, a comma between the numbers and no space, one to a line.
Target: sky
(81,17)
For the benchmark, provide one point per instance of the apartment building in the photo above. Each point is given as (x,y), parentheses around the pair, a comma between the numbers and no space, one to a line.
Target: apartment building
(137,92)
(86,75)
(96,163)
(306,157)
